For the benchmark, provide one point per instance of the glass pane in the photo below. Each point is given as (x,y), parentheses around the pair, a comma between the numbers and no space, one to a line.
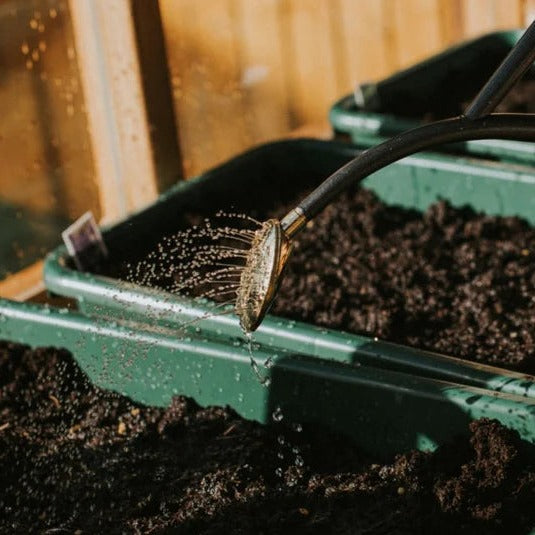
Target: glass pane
(46,177)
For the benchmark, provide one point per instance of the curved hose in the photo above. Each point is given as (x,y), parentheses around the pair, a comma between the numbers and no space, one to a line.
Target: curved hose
(495,126)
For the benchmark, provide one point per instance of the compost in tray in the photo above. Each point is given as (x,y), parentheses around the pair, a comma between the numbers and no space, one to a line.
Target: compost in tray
(520,99)
(77,459)
(449,280)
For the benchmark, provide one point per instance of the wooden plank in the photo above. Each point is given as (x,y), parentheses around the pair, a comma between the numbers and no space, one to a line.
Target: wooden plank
(418,29)
(528,12)
(205,74)
(288,61)
(451,21)
(262,78)
(251,70)
(314,70)
(478,17)
(363,32)
(221,70)
(111,80)
(157,91)
(321,130)
(481,16)
(390,36)
(24,284)
(335,26)
(181,44)
(508,14)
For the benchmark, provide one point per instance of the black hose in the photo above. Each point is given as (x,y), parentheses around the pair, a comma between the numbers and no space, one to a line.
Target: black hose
(510,70)
(496,126)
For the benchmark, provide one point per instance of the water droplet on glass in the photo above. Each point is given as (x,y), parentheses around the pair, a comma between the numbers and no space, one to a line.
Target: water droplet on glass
(277,415)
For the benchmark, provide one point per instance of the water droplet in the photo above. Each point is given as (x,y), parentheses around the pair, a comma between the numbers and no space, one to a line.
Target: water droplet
(270,361)
(277,415)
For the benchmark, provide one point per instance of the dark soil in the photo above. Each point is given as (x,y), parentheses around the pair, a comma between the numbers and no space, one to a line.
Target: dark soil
(449,280)
(520,99)
(76,459)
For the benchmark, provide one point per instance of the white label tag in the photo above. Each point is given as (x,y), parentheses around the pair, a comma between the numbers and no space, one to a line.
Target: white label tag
(84,242)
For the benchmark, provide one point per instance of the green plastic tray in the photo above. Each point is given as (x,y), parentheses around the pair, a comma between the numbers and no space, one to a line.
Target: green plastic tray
(384,411)
(269,170)
(440,80)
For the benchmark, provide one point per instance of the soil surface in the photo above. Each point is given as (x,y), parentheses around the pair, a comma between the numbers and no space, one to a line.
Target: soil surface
(449,280)
(76,459)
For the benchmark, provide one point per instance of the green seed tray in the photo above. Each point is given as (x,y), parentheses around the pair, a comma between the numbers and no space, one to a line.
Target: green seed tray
(384,411)
(454,76)
(413,182)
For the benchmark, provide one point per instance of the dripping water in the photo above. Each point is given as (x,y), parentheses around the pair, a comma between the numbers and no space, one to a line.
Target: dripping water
(204,262)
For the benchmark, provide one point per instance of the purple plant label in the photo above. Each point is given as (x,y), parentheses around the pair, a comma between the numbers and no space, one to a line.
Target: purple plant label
(84,242)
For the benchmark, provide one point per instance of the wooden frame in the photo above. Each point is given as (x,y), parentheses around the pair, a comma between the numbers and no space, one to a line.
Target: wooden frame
(25,284)
(127,153)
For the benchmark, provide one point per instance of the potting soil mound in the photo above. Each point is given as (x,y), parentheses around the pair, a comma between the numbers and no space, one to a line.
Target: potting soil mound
(449,280)
(76,459)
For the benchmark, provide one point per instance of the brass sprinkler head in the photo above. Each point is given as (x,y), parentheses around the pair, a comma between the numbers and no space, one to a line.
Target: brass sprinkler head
(264,265)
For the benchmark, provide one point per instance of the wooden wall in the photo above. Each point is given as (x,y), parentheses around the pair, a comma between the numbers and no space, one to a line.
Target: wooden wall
(242,72)
(247,71)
